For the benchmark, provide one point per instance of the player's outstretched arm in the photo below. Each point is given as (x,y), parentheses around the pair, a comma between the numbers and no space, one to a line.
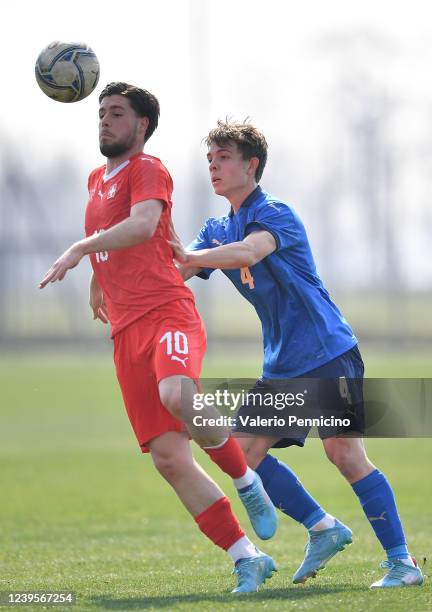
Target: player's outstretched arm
(180,255)
(247,252)
(135,229)
(65,262)
(186,272)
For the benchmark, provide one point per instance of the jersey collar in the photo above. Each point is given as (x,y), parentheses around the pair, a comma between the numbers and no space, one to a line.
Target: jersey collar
(254,195)
(113,173)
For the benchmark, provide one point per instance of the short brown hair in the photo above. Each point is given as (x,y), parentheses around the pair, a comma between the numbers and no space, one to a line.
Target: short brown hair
(142,101)
(249,140)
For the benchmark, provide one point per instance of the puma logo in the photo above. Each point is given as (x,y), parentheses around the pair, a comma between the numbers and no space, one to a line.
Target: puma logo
(215,241)
(273,206)
(378,518)
(183,361)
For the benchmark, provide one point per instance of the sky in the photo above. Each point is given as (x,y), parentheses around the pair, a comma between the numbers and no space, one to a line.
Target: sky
(203,60)
(279,62)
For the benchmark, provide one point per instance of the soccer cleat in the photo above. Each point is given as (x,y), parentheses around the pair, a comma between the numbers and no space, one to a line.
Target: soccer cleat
(322,546)
(399,575)
(262,513)
(252,572)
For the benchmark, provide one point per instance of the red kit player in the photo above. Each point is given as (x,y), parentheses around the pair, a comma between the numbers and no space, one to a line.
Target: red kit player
(159,338)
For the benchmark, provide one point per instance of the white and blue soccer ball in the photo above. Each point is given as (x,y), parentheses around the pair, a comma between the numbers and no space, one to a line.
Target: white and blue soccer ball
(67,72)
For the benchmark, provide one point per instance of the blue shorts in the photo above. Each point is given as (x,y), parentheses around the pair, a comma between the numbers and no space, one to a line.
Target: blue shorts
(333,390)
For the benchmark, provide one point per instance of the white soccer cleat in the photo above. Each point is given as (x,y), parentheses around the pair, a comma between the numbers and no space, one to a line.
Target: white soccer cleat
(400,575)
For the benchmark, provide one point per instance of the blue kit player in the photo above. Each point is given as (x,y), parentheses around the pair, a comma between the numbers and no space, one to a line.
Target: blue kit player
(262,247)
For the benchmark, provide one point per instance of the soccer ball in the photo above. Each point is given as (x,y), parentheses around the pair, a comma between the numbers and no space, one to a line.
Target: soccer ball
(67,72)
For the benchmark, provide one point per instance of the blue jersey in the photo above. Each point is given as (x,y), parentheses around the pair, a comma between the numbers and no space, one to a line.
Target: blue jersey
(302,328)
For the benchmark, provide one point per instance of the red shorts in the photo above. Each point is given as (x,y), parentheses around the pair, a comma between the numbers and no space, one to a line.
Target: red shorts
(169,340)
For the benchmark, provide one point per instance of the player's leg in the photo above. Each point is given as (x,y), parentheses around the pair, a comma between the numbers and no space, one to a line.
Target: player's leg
(211,510)
(348,454)
(327,535)
(176,394)
(282,484)
(179,347)
(379,505)
(157,429)
(173,459)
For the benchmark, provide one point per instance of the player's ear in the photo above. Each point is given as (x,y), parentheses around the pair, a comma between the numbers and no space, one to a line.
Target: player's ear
(144,123)
(253,166)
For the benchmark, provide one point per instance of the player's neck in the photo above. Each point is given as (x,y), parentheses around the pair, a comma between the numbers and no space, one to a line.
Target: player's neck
(237,198)
(113,162)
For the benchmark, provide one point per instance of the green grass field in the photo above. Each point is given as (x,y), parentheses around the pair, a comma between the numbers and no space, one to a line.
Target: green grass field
(82,510)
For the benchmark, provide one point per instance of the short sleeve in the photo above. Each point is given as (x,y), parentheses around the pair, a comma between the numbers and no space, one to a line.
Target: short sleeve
(150,180)
(202,241)
(280,221)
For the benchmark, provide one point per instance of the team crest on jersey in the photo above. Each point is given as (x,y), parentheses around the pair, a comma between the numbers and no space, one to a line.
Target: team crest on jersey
(91,193)
(112,191)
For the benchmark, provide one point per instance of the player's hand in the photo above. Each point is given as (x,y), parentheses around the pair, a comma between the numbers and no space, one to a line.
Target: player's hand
(97,302)
(180,253)
(68,260)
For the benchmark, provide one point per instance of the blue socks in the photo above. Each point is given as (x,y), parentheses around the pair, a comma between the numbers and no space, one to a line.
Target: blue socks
(287,493)
(374,492)
(378,503)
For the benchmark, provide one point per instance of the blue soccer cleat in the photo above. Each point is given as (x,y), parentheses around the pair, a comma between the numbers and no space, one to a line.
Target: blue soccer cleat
(322,546)
(262,513)
(252,572)
(399,575)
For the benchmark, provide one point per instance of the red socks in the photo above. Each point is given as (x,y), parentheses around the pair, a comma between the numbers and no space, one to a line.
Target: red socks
(219,524)
(229,457)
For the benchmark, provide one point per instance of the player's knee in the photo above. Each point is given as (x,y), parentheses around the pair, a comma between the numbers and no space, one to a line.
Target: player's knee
(350,460)
(176,394)
(339,454)
(254,455)
(170,464)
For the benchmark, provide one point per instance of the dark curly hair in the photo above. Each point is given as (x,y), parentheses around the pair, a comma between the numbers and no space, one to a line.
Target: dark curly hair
(142,101)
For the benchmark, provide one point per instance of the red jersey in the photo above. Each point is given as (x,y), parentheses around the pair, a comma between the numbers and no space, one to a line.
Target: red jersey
(137,279)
